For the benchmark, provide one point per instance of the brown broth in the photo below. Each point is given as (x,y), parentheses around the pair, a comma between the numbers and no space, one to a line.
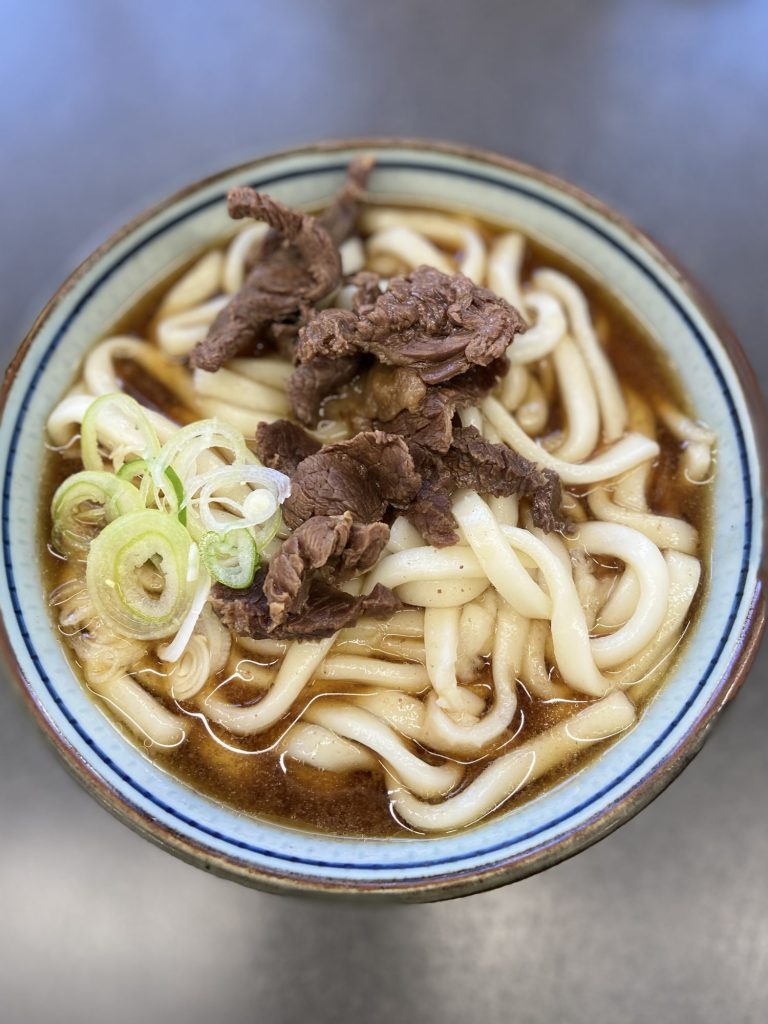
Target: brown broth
(246,773)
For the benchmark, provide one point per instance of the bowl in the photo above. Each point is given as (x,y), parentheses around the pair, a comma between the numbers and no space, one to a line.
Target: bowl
(611,789)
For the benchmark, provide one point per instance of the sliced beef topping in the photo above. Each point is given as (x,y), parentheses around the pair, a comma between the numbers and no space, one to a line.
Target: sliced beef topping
(327,609)
(283,445)
(430,424)
(367,289)
(438,324)
(365,475)
(498,470)
(473,462)
(297,264)
(311,383)
(430,511)
(339,217)
(336,545)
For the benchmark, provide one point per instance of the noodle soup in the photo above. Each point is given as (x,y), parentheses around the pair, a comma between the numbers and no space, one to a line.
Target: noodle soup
(505,658)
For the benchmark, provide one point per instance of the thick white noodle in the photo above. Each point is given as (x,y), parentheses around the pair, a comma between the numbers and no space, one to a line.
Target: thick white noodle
(201,282)
(233,274)
(403,535)
(244,420)
(505,262)
(425,564)
(498,561)
(394,675)
(508,774)
(543,335)
(625,454)
(438,227)
(570,636)
(441,644)
(664,531)
(470,734)
(298,667)
(101,377)
(533,413)
(409,247)
(270,649)
(621,602)
(141,712)
(697,438)
(579,401)
(352,255)
(268,372)
(320,748)
(178,334)
(231,387)
(643,670)
(612,406)
(642,555)
(356,724)
(68,415)
(514,387)
(472,417)
(534,671)
(442,593)
(476,625)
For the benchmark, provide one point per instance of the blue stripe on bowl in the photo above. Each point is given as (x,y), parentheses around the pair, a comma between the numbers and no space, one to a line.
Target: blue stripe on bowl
(173,812)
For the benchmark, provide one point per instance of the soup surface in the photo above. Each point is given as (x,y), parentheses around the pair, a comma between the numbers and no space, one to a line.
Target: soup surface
(376,742)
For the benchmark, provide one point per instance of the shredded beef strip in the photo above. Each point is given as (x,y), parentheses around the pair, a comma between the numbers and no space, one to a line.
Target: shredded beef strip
(297,264)
(283,445)
(366,475)
(326,610)
(495,469)
(339,217)
(438,324)
(337,545)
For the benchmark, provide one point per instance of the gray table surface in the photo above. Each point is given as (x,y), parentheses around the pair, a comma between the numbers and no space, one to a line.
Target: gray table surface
(659,107)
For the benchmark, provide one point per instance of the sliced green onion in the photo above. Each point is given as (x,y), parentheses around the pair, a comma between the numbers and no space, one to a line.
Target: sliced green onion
(178,489)
(117,423)
(85,503)
(119,559)
(238,496)
(231,558)
(194,449)
(141,469)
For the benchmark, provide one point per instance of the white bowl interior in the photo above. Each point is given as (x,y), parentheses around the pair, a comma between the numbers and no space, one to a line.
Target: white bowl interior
(147,254)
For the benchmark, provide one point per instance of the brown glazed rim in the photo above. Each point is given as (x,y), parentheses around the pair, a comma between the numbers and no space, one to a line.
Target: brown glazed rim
(452,883)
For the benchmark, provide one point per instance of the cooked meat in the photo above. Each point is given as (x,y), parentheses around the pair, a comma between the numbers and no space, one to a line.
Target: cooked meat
(430,512)
(297,264)
(335,544)
(311,383)
(438,324)
(367,289)
(494,469)
(283,445)
(431,423)
(326,610)
(386,391)
(365,475)
(339,217)
(498,470)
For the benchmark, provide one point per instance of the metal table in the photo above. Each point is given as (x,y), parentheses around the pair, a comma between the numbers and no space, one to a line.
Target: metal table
(659,107)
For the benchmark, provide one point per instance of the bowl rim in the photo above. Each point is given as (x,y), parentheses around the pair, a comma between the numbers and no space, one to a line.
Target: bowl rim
(538,858)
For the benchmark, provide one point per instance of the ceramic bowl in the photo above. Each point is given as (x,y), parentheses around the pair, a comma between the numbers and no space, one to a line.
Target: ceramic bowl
(566,819)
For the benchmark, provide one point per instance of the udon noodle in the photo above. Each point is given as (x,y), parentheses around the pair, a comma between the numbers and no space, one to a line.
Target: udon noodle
(516,651)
